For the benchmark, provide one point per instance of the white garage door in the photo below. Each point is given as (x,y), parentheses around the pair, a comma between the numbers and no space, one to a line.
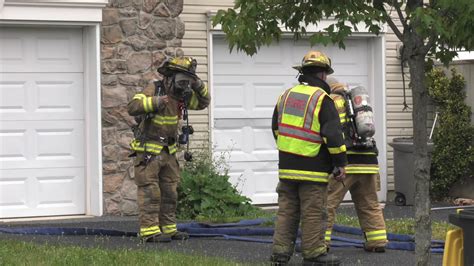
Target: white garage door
(41,122)
(245,90)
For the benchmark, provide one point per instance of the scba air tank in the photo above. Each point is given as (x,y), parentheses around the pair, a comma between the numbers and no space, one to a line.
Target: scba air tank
(363,115)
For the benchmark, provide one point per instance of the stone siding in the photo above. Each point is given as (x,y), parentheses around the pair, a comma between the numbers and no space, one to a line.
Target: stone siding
(136,37)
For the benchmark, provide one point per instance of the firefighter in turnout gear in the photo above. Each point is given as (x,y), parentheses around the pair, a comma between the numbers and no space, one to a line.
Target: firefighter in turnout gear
(309,138)
(361,180)
(157,109)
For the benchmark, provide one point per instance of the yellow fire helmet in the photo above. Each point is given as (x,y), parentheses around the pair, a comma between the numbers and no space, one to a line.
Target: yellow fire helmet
(184,64)
(315,58)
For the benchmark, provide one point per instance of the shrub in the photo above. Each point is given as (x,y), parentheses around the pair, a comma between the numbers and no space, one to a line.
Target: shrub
(206,193)
(453,154)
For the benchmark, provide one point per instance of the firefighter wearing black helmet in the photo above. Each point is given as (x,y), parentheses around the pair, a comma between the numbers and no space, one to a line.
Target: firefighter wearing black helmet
(310,142)
(157,110)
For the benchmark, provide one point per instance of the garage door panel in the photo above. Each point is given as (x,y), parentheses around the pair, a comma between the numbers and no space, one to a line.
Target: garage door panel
(12,51)
(40,50)
(262,156)
(278,60)
(266,96)
(13,96)
(230,97)
(270,59)
(61,185)
(255,180)
(352,80)
(246,144)
(31,96)
(245,139)
(348,70)
(13,148)
(41,144)
(265,179)
(224,57)
(59,143)
(228,140)
(59,97)
(264,140)
(355,51)
(14,190)
(40,192)
(265,183)
(232,123)
(252,98)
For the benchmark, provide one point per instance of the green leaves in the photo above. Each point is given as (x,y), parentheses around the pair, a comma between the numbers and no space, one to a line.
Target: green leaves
(252,24)
(206,192)
(454,136)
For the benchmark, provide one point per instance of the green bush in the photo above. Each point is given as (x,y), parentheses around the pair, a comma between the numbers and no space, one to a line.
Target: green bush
(453,155)
(205,192)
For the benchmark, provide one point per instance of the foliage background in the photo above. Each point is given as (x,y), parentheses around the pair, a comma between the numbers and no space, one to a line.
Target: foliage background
(205,192)
(453,155)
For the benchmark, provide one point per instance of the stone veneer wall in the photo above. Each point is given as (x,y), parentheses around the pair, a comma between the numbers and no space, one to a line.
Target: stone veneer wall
(137,35)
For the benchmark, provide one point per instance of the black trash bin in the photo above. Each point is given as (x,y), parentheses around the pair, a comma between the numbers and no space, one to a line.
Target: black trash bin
(465,220)
(404,167)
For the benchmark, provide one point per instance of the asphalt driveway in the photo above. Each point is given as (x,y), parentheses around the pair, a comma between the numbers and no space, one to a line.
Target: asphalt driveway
(244,252)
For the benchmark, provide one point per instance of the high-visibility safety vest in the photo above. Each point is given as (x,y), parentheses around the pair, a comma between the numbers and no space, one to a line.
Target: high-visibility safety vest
(151,147)
(298,120)
(340,103)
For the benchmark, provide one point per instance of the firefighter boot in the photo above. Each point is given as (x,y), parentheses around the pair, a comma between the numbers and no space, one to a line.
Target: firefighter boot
(278,259)
(162,238)
(179,235)
(325,259)
(376,249)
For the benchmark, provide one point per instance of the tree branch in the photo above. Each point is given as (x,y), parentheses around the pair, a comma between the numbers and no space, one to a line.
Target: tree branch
(392,24)
(427,47)
(400,14)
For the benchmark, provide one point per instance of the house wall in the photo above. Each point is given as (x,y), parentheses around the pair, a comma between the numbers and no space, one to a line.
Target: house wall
(137,36)
(196,43)
(466,68)
(399,120)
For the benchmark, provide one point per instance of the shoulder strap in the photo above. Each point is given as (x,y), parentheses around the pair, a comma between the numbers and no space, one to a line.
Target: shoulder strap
(158,87)
(149,116)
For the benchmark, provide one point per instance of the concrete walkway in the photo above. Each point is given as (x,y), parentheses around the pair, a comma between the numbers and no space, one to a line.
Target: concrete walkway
(244,252)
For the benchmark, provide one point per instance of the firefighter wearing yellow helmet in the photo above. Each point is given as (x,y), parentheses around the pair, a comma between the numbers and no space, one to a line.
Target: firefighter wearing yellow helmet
(157,110)
(361,180)
(309,138)
(316,59)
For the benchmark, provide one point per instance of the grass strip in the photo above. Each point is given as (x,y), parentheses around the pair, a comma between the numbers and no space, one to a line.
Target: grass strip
(13,252)
(404,226)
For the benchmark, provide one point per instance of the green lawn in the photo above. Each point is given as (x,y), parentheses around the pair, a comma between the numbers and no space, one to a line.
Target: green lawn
(15,253)
(397,226)
(400,225)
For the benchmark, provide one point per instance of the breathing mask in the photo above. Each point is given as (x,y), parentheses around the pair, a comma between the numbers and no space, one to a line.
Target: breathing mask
(182,85)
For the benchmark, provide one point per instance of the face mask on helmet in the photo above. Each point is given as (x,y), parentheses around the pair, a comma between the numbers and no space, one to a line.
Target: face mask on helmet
(182,85)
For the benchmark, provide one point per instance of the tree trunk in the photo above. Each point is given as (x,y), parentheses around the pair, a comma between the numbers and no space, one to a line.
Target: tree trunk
(416,62)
